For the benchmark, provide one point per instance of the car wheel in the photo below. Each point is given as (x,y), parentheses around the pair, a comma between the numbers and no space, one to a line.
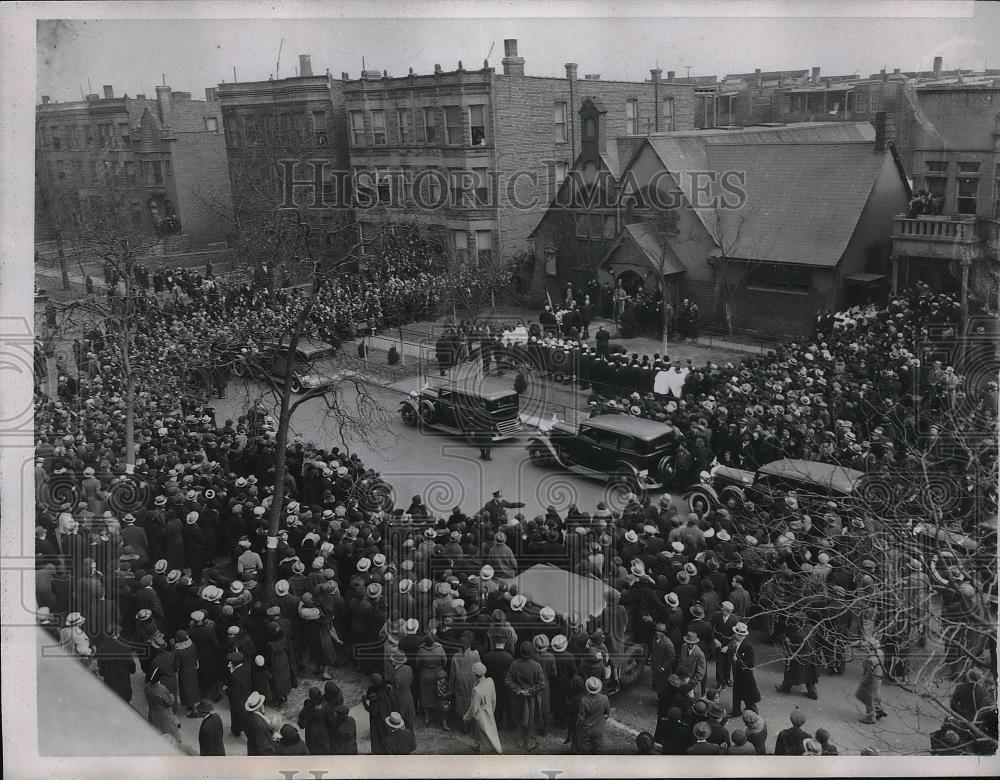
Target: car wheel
(732,493)
(539,454)
(296,385)
(699,501)
(409,416)
(625,478)
(426,412)
(666,470)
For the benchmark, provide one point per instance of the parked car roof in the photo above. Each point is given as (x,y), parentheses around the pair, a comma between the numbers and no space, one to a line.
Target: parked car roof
(642,429)
(306,347)
(487,394)
(837,477)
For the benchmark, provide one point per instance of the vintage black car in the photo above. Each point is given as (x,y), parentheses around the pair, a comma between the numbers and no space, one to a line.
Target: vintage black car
(307,375)
(635,452)
(476,413)
(812,481)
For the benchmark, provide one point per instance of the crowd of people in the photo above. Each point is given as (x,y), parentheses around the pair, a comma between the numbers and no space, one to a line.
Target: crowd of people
(159,566)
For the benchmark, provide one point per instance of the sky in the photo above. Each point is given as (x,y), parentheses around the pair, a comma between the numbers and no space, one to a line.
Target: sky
(619,40)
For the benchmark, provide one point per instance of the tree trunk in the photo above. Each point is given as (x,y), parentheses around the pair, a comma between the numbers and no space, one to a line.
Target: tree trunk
(280,468)
(402,356)
(63,268)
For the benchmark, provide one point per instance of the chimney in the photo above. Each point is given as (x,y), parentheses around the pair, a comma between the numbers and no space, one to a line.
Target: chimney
(45,100)
(512,64)
(758,80)
(885,131)
(571,71)
(815,76)
(109,91)
(670,76)
(140,96)
(437,67)
(938,62)
(305,65)
(656,74)
(211,96)
(882,73)
(592,77)
(163,98)
(895,71)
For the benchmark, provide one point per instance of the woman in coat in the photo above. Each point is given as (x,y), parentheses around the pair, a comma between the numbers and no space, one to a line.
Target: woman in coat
(377,701)
(260,677)
(313,718)
(869,690)
(161,706)
(276,653)
(186,660)
(166,662)
(526,682)
(462,679)
(431,659)
(482,705)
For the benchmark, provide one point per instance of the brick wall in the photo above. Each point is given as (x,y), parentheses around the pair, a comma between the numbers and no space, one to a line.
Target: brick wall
(524,108)
(201,180)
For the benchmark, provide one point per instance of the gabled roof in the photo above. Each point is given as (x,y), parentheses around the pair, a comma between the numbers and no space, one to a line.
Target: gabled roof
(661,258)
(806,186)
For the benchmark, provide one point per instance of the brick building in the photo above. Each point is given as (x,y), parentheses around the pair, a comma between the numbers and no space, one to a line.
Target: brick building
(760,226)
(478,154)
(299,120)
(955,157)
(163,157)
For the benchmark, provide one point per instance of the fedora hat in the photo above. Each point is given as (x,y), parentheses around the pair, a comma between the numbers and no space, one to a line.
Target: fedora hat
(255,702)
(374,590)
(411,626)
(559,643)
(75,619)
(397,656)
(486,572)
(593,685)
(236,586)
(691,638)
(405,585)
(364,564)
(741,629)
(394,721)
(672,600)
(518,602)
(281,587)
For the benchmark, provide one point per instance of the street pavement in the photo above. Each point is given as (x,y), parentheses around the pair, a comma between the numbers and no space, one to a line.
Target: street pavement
(446,472)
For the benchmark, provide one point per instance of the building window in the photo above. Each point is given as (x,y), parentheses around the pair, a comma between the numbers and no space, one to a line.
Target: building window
(88,135)
(968,167)
(319,121)
(559,122)
(668,113)
(431,127)
(378,127)
(610,227)
(405,180)
(457,186)
(860,102)
(405,118)
(453,124)
(935,185)
(966,194)
(873,101)
(560,174)
(582,225)
(357,128)
(631,117)
(461,241)
(937,166)
(786,104)
(477,124)
(211,124)
(482,190)
(384,184)
(484,246)
(432,187)
(780,277)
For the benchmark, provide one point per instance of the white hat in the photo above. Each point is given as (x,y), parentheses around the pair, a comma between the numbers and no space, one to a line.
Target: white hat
(255,702)
(547,614)
(364,564)
(631,536)
(741,629)
(236,586)
(517,603)
(486,572)
(411,626)
(74,619)
(281,587)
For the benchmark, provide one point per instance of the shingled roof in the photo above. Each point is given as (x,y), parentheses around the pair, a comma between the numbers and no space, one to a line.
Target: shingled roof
(806,187)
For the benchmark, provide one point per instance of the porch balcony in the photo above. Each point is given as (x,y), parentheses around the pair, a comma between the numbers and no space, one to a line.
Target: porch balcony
(935,237)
